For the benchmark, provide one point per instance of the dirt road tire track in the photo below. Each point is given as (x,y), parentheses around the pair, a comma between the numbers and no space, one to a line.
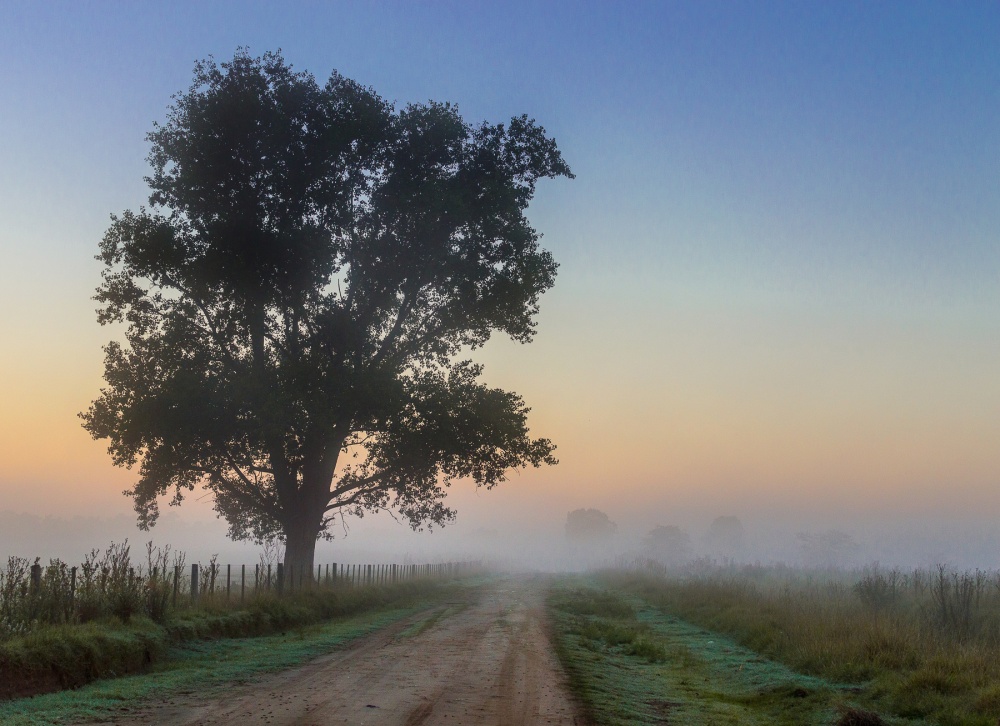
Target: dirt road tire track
(484,661)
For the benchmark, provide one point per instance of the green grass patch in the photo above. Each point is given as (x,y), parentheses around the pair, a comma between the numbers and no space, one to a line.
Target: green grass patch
(632,664)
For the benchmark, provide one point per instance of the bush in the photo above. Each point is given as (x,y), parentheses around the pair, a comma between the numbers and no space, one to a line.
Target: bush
(879,589)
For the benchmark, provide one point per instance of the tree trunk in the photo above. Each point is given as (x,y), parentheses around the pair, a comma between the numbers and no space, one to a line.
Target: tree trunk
(300,551)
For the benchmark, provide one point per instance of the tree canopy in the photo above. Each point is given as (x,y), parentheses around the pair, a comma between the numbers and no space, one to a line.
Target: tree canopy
(301,296)
(589,525)
(668,544)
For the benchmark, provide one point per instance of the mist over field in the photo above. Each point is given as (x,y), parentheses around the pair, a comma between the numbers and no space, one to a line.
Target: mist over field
(535,542)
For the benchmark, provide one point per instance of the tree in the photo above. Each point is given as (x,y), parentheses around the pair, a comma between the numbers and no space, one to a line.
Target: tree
(725,536)
(589,525)
(831,548)
(298,299)
(668,544)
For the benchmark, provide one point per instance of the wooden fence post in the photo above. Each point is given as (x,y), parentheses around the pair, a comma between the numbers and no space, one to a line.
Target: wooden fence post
(281,576)
(229,580)
(194,583)
(177,582)
(243,582)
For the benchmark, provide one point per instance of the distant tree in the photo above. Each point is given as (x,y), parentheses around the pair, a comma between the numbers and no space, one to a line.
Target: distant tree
(725,536)
(668,544)
(297,303)
(832,548)
(589,525)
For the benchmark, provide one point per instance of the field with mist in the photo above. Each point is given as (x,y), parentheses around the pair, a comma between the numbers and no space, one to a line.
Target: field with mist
(670,629)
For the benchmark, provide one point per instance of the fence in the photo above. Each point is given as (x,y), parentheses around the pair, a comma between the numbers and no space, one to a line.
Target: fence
(112,585)
(283,580)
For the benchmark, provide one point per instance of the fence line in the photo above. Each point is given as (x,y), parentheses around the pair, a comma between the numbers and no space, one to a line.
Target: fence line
(31,595)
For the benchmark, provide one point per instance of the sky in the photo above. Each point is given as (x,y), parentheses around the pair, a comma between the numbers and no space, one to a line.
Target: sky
(778,290)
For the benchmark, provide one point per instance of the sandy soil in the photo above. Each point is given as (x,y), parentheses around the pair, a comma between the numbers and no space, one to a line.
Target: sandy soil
(485,660)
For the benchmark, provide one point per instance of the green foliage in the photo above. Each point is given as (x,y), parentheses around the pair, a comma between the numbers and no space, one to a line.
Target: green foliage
(106,585)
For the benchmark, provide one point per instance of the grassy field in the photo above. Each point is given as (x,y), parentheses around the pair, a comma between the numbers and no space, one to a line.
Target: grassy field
(754,645)
(631,663)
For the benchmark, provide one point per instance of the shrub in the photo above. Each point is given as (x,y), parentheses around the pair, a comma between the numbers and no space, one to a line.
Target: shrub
(879,589)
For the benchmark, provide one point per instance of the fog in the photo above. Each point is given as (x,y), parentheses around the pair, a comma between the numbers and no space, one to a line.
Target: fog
(534,538)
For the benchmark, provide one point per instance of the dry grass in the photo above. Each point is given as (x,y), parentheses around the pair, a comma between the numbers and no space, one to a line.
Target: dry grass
(926,643)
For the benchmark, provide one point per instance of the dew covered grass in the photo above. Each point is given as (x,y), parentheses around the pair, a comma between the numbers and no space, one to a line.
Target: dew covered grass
(633,663)
(912,663)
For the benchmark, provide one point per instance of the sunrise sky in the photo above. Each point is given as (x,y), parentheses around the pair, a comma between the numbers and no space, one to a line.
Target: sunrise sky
(779,292)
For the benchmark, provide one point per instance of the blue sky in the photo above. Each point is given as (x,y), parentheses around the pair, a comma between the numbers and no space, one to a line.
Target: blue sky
(780,256)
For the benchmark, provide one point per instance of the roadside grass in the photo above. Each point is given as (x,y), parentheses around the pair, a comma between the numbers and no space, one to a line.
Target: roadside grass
(913,664)
(203,668)
(632,664)
(68,656)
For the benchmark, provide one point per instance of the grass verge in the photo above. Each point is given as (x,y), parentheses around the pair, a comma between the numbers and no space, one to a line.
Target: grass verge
(202,669)
(911,668)
(69,656)
(632,664)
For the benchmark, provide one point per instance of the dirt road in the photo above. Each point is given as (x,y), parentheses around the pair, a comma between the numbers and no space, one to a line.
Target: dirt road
(482,660)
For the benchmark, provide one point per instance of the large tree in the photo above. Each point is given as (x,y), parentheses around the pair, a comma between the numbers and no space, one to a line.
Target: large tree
(297,301)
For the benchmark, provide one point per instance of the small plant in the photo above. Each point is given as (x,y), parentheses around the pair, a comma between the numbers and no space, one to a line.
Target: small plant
(13,593)
(879,589)
(207,576)
(123,584)
(956,597)
(158,582)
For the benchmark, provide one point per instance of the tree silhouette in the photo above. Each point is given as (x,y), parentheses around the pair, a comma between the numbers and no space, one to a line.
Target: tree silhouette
(298,299)
(668,544)
(589,526)
(725,536)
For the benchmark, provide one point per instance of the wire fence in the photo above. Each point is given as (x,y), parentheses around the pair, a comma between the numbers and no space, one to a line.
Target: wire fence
(111,584)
